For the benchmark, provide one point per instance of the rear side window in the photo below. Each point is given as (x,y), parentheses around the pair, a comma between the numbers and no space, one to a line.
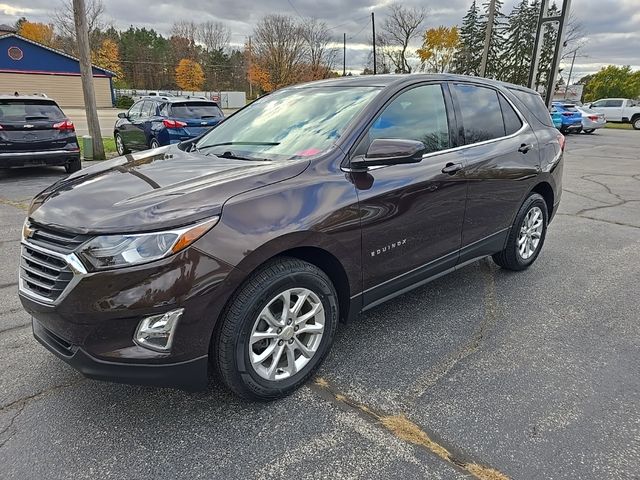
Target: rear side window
(416,114)
(613,103)
(512,122)
(535,105)
(481,113)
(29,110)
(195,110)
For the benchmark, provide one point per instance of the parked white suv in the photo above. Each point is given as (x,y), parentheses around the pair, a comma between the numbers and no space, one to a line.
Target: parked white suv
(618,110)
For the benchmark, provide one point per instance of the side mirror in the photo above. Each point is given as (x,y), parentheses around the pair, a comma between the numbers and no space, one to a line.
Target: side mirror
(390,151)
(122,115)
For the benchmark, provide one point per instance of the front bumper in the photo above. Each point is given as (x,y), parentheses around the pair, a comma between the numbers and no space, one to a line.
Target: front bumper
(92,325)
(187,375)
(35,159)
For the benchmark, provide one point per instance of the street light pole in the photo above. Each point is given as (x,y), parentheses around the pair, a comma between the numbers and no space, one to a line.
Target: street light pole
(344,54)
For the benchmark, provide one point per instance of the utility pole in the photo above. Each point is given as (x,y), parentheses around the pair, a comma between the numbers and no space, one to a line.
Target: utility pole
(250,63)
(344,54)
(566,88)
(373,31)
(86,73)
(487,37)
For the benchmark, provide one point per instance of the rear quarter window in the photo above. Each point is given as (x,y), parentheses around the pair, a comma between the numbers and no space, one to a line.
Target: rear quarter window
(28,110)
(535,105)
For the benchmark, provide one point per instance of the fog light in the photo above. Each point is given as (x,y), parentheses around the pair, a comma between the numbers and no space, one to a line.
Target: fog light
(156,332)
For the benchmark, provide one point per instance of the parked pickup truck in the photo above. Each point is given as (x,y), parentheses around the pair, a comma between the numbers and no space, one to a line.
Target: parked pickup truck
(618,110)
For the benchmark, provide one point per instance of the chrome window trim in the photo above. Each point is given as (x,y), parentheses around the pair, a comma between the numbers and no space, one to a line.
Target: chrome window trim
(71,259)
(524,126)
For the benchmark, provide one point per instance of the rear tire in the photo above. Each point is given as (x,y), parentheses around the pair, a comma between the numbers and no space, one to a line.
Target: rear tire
(526,237)
(154,143)
(73,166)
(120,146)
(255,325)
(635,123)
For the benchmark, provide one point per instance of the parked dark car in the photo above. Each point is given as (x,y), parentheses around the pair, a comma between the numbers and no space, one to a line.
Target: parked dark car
(244,248)
(157,121)
(34,132)
(571,117)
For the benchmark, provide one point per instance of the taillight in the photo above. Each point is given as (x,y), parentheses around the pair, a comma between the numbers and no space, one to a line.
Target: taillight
(561,141)
(64,125)
(173,123)
(593,118)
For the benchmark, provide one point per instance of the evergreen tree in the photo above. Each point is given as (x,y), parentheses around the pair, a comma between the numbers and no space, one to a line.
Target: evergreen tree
(515,59)
(467,59)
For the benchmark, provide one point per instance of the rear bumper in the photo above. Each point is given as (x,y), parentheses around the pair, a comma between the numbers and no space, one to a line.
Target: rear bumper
(26,159)
(188,375)
(572,127)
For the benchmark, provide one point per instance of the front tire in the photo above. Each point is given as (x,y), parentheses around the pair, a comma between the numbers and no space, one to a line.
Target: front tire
(589,131)
(635,123)
(526,236)
(276,330)
(154,143)
(120,146)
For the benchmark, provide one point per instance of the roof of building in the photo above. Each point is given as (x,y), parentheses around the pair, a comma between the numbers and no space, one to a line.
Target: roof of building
(7,28)
(53,50)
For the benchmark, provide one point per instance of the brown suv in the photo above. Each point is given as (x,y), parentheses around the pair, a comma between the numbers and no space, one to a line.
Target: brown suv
(245,247)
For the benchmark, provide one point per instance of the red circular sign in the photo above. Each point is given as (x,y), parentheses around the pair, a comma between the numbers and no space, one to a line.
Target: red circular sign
(15,53)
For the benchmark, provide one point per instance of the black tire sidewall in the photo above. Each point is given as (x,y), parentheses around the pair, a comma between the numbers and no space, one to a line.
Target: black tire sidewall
(245,376)
(535,200)
(156,142)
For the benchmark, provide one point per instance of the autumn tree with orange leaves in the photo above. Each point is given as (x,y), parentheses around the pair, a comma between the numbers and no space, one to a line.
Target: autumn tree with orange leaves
(189,75)
(438,50)
(108,56)
(38,32)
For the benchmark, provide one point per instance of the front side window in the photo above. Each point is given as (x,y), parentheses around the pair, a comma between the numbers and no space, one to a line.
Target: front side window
(135,110)
(417,114)
(481,113)
(288,124)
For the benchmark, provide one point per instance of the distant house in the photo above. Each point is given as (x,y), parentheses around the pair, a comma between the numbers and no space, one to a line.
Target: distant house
(4,29)
(29,67)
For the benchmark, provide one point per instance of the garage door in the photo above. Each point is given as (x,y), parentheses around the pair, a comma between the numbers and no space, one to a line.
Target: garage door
(64,89)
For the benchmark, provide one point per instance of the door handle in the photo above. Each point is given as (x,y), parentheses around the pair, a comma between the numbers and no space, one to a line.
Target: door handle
(452,168)
(525,147)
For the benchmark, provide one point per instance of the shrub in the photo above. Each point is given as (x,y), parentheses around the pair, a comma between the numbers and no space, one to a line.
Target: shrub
(124,101)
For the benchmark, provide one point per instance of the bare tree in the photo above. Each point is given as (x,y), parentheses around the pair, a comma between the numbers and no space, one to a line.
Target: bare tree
(401,26)
(185,29)
(66,28)
(319,56)
(214,36)
(574,37)
(279,49)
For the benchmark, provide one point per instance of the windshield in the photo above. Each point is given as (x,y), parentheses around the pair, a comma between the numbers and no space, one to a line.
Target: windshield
(290,123)
(195,110)
(25,110)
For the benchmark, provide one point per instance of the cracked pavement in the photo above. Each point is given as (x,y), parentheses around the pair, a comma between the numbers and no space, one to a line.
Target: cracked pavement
(482,373)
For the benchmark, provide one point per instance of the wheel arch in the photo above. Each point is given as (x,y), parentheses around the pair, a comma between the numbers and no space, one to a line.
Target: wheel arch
(546,191)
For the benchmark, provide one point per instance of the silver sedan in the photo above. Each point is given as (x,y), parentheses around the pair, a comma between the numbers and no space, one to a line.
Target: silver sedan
(591,120)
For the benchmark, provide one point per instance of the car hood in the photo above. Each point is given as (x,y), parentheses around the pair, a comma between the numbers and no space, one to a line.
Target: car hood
(152,190)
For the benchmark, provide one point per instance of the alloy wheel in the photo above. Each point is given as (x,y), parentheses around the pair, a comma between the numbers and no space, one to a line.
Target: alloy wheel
(119,145)
(287,334)
(530,233)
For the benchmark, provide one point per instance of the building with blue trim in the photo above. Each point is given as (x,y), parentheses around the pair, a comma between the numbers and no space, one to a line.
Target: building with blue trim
(29,67)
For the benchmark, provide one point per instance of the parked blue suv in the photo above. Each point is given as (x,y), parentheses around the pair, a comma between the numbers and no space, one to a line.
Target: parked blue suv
(155,121)
(571,117)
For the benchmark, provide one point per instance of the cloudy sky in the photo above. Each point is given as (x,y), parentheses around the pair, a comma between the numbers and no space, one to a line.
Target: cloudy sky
(612,27)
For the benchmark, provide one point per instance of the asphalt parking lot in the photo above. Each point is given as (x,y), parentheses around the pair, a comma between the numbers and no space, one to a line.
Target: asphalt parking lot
(530,375)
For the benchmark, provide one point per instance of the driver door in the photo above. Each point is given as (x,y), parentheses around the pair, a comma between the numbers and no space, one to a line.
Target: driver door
(412,214)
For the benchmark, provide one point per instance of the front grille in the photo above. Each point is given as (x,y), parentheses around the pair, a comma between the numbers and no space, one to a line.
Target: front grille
(64,242)
(44,274)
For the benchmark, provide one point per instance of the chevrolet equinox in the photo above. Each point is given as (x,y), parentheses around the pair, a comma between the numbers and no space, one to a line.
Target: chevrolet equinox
(245,247)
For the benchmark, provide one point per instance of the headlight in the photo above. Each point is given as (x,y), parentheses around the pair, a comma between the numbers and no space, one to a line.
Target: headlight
(113,251)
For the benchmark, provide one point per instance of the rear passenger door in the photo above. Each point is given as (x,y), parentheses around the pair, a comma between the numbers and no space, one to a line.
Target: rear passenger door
(501,158)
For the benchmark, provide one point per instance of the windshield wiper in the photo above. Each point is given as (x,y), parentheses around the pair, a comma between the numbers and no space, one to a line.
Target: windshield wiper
(209,116)
(233,156)
(224,144)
